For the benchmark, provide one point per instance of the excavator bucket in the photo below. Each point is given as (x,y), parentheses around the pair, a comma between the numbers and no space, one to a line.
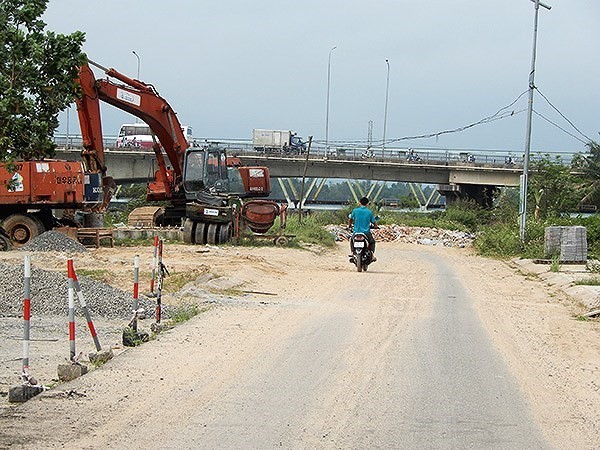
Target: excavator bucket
(145,217)
(260,215)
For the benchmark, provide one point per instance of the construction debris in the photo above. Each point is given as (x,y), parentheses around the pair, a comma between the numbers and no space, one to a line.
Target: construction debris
(410,235)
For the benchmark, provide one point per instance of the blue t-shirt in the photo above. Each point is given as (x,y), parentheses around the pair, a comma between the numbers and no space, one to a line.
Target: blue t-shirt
(363,218)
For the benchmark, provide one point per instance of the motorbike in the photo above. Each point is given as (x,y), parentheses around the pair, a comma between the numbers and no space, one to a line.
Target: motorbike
(362,255)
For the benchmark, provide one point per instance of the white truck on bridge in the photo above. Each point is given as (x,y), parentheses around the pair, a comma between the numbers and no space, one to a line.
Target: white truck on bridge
(284,141)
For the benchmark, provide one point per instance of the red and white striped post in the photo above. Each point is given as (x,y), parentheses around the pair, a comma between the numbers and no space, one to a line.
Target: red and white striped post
(160,282)
(71,310)
(83,305)
(154,265)
(26,314)
(136,280)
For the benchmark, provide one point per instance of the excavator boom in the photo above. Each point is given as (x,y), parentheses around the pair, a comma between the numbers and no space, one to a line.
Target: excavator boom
(141,100)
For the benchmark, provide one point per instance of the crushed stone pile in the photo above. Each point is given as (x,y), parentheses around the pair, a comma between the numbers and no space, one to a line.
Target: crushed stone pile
(410,235)
(49,295)
(53,241)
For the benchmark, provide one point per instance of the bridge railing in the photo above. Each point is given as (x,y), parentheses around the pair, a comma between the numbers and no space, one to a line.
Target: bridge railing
(413,155)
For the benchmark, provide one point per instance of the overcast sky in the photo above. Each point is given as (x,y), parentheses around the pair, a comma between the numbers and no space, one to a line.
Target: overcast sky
(228,66)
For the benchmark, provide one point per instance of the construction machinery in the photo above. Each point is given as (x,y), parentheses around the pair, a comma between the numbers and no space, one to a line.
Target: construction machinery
(31,191)
(210,192)
(203,186)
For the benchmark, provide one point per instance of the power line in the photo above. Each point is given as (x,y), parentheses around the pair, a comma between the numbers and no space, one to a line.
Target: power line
(561,128)
(502,113)
(564,117)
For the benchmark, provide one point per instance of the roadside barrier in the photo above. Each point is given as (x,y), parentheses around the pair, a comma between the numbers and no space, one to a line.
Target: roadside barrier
(154,260)
(136,280)
(160,282)
(26,315)
(29,386)
(131,335)
(73,275)
(71,311)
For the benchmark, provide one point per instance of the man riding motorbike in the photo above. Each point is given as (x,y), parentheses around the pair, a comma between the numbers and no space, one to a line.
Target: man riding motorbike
(362,218)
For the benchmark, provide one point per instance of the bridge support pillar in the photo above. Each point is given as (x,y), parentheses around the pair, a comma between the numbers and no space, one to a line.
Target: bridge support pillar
(483,195)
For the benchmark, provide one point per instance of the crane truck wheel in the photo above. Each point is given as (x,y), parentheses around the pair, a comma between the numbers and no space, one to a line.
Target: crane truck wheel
(22,228)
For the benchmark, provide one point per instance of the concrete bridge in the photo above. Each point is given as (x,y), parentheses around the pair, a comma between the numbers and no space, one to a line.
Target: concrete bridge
(456,175)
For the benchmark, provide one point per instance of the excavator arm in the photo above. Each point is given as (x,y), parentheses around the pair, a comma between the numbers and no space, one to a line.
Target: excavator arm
(141,100)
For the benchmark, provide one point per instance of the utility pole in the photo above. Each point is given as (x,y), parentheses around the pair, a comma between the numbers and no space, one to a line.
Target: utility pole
(524,177)
(327,113)
(387,92)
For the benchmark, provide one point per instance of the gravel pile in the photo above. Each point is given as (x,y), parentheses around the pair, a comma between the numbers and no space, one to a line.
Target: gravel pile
(410,235)
(53,241)
(49,295)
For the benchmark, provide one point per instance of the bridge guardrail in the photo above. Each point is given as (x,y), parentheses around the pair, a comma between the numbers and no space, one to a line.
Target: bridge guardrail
(454,157)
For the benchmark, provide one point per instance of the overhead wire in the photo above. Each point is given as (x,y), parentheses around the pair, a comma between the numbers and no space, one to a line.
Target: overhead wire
(561,128)
(564,117)
(502,113)
(498,115)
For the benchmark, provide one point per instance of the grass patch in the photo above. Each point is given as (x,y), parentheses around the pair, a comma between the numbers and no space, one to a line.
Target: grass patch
(555,265)
(228,292)
(588,282)
(142,242)
(185,312)
(309,229)
(176,280)
(103,275)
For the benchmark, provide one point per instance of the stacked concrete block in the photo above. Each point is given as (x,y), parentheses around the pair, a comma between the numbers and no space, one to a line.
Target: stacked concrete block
(568,243)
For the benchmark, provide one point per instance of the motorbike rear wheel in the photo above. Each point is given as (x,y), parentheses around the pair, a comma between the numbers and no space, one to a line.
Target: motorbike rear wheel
(359,264)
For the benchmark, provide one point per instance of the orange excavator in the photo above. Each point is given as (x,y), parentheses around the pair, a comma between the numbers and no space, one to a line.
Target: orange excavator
(212,194)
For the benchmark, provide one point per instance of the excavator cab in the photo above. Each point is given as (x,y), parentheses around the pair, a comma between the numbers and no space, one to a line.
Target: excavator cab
(205,170)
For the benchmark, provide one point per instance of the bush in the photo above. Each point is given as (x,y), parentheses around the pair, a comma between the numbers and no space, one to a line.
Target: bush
(309,230)
(466,213)
(500,240)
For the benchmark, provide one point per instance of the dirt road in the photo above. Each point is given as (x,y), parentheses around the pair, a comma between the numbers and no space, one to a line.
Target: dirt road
(431,348)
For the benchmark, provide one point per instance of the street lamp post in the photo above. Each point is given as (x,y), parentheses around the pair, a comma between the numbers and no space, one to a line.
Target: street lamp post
(137,120)
(327,113)
(138,63)
(524,177)
(387,92)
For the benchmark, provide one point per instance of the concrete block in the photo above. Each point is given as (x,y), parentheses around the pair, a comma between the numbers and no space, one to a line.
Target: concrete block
(68,372)
(101,357)
(22,393)
(132,338)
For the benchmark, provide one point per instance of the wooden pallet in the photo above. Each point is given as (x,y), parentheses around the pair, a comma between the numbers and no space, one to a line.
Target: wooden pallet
(95,236)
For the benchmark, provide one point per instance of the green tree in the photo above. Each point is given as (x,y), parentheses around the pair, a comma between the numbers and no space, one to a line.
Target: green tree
(588,165)
(553,189)
(37,79)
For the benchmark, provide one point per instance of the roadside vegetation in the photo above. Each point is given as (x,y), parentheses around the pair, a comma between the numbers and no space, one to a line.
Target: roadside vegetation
(555,191)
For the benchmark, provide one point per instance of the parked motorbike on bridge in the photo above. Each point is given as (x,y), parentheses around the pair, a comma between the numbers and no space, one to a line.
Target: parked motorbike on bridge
(362,254)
